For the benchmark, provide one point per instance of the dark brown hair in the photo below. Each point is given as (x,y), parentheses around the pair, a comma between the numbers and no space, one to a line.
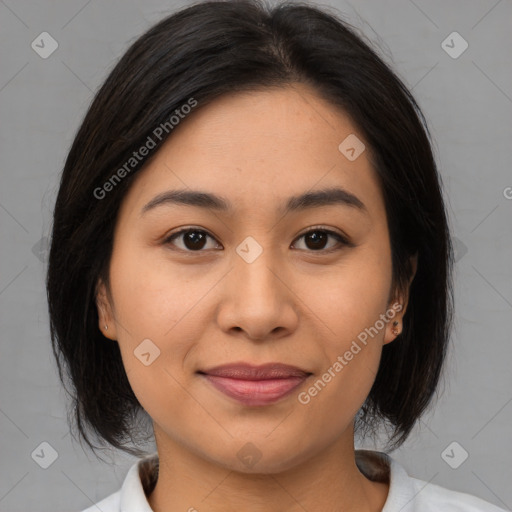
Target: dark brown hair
(204,51)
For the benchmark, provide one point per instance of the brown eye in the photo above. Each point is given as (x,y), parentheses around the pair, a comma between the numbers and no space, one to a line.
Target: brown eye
(316,240)
(193,240)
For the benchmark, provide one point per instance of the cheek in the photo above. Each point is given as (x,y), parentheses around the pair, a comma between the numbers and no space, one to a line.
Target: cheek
(348,303)
(350,335)
(152,295)
(158,312)
(350,297)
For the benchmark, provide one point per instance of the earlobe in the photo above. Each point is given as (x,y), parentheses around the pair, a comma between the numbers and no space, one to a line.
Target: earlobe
(395,325)
(105,318)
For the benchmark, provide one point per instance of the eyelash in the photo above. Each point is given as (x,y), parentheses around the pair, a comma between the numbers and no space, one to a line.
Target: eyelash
(343,240)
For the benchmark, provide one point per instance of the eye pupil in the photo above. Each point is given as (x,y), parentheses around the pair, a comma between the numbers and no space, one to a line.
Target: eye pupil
(319,238)
(194,240)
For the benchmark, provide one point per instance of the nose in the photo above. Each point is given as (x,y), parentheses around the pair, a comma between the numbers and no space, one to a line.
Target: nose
(258,300)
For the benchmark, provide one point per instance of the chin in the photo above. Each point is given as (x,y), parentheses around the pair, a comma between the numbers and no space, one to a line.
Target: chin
(259,455)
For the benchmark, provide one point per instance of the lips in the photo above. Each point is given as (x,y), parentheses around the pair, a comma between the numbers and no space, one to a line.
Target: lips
(255,385)
(245,371)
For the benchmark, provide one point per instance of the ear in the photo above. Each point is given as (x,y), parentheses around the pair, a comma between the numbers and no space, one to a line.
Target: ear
(106,322)
(398,306)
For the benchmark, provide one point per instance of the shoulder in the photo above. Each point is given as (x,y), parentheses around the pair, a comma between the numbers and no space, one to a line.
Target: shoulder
(137,485)
(409,494)
(432,497)
(414,495)
(109,504)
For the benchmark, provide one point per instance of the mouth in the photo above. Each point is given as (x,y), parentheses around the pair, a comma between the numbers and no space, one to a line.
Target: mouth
(255,385)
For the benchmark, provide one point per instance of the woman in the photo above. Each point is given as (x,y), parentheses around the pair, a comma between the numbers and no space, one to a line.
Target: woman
(250,254)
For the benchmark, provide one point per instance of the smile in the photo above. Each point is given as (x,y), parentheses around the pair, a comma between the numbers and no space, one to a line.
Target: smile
(255,385)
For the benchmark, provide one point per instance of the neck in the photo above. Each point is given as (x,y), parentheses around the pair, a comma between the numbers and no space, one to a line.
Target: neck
(330,480)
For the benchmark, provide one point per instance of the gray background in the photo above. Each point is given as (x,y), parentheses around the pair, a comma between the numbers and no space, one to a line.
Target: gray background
(468,103)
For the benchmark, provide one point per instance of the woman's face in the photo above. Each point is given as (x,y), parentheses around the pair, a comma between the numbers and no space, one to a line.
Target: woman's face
(249,285)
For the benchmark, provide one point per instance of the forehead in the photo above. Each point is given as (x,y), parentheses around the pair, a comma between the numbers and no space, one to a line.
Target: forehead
(260,146)
(267,123)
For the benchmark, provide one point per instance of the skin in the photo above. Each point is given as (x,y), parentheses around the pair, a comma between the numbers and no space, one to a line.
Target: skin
(294,304)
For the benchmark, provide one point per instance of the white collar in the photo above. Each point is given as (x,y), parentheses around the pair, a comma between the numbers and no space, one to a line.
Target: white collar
(378,466)
(406,494)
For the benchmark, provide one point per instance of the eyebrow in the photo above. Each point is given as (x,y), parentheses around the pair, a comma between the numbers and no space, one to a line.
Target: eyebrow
(314,199)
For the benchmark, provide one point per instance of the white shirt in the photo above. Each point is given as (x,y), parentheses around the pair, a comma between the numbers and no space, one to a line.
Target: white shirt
(406,494)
